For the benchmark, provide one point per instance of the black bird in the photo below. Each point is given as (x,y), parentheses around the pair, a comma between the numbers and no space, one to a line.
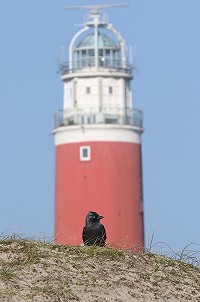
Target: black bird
(94,232)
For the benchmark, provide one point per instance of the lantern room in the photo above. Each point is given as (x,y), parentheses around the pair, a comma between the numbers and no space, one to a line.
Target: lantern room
(108,52)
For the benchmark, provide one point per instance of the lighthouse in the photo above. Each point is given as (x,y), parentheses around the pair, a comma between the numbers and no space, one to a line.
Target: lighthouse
(98,160)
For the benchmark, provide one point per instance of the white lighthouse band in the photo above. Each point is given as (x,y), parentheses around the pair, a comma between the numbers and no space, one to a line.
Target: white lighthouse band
(97,133)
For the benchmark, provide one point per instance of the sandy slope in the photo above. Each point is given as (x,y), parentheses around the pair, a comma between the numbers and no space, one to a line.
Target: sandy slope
(32,271)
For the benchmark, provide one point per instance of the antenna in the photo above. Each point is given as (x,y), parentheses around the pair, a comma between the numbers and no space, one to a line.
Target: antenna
(95,8)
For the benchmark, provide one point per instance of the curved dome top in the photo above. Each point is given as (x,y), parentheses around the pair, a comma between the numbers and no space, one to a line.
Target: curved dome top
(103,41)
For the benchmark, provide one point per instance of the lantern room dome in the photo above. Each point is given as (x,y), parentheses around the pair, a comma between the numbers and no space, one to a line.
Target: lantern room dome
(103,41)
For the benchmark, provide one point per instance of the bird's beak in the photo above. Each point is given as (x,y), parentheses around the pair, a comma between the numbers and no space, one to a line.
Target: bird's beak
(100,217)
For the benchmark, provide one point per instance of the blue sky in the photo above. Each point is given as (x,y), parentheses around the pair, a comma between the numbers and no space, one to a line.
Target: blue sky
(166,87)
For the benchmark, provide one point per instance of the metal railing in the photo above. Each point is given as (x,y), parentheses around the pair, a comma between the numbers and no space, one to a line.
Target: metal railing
(118,116)
(105,64)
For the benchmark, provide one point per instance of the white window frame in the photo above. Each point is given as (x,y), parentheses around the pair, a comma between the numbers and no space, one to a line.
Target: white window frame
(82,157)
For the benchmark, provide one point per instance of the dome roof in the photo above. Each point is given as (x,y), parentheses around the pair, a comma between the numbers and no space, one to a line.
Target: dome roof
(103,41)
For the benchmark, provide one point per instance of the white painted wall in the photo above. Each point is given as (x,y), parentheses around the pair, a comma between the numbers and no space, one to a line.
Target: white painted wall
(76,95)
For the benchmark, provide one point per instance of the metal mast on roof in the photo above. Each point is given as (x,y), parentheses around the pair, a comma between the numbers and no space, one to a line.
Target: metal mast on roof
(95,8)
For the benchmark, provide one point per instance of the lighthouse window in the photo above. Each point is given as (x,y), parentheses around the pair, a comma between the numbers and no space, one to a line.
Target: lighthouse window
(110,89)
(107,53)
(88,90)
(84,59)
(85,153)
(107,57)
(101,58)
(101,52)
(91,52)
(91,61)
(116,58)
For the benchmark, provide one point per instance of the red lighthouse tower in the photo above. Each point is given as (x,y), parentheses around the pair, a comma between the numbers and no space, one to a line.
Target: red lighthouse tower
(98,139)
